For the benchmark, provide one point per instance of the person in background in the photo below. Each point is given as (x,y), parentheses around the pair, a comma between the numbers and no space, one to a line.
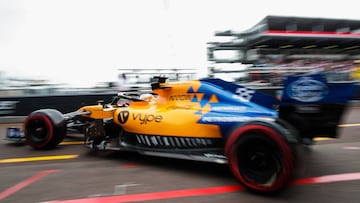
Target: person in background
(355,71)
(122,83)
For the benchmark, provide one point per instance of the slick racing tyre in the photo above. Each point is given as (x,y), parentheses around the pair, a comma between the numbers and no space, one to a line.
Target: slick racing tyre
(44,129)
(260,157)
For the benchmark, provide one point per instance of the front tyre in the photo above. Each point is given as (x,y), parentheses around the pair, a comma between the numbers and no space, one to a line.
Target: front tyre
(260,158)
(45,128)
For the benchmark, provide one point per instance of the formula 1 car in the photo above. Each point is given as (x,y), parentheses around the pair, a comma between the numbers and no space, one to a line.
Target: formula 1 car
(207,120)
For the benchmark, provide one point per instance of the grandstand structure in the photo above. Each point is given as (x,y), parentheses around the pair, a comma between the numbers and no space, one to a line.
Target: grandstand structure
(282,45)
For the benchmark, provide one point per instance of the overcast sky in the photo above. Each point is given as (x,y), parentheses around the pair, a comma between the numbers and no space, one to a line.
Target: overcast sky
(83,42)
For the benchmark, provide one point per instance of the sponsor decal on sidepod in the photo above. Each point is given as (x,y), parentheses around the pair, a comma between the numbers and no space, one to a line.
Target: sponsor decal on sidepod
(123,117)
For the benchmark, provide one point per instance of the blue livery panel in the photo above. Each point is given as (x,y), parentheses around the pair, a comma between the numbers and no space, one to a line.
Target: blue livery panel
(314,89)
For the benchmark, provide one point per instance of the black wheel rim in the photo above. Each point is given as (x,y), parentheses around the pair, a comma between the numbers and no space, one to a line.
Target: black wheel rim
(37,130)
(259,162)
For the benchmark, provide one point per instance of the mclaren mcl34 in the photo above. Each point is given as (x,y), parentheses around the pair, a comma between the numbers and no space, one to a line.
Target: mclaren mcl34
(207,120)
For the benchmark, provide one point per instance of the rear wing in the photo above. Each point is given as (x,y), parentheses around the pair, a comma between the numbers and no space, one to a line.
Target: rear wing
(315,106)
(314,89)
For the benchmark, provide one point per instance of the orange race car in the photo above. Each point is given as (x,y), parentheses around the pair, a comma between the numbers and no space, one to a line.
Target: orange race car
(206,120)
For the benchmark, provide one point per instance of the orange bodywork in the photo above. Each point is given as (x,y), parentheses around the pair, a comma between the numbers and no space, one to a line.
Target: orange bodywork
(98,111)
(171,113)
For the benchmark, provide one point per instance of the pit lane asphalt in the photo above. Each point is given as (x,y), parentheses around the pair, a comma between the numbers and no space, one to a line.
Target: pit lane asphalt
(84,176)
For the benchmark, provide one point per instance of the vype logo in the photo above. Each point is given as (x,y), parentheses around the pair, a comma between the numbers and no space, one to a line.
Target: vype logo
(123,117)
(307,89)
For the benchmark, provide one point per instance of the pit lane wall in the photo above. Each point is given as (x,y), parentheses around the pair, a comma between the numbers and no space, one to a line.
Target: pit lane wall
(15,109)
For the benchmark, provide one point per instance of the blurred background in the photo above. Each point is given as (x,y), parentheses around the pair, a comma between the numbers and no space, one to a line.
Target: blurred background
(67,48)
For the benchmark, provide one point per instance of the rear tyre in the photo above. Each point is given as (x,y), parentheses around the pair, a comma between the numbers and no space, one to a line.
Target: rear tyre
(260,158)
(45,128)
